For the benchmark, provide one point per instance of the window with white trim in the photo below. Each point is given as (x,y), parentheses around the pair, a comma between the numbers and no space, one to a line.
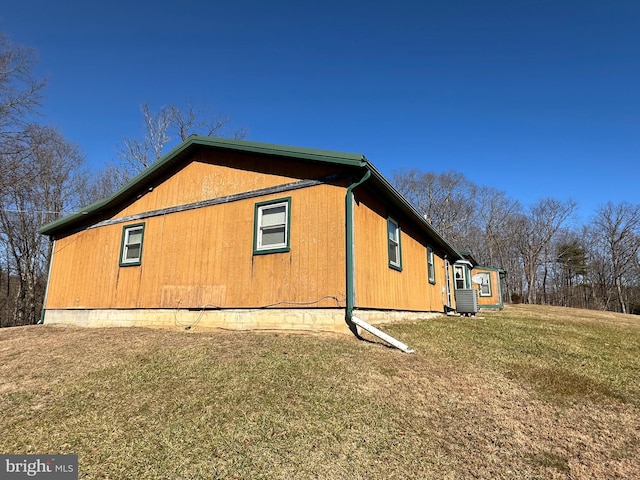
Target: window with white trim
(431,268)
(131,250)
(460,275)
(271,230)
(485,284)
(395,250)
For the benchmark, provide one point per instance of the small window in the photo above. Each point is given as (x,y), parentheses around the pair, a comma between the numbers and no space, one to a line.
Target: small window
(431,266)
(131,251)
(485,284)
(460,274)
(395,250)
(271,227)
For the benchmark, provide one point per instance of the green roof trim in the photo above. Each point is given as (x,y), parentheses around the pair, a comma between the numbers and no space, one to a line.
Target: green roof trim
(410,210)
(171,158)
(356,160)
(353,159)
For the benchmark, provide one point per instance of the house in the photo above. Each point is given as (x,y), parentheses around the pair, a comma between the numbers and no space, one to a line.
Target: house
(482,284)
(243,235)
(488,283)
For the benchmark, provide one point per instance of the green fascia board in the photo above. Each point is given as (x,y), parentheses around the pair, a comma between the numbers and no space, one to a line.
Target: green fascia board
(329,156)
(161,166)
(174,156)
(468,256)
(409,210)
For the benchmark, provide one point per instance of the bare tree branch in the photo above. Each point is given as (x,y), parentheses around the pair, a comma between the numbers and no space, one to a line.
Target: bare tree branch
(170,123)
(617,229)
(44,187)
(20,94)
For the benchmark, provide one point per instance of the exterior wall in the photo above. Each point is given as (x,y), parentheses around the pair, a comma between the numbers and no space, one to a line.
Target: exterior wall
(377,285)
(216,174)
(495,300)
(204,257)
(198,268)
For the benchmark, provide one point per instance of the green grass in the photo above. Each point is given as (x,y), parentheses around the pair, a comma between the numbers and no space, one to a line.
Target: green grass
(561,358)
(530,392)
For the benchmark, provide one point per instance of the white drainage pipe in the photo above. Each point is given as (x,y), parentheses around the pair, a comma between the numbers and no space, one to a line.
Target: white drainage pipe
(380,334)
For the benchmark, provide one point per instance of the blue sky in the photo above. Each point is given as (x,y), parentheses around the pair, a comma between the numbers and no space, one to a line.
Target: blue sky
(535,98)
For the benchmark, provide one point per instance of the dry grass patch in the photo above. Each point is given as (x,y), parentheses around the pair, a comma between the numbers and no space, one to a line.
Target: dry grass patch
(516,394)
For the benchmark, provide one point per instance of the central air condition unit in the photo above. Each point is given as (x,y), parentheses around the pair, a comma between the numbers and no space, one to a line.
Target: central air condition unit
(467,301)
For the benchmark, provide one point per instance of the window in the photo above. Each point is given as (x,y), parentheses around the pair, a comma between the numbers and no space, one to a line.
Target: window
(485,284)
(395,250)
(431,268)
(459,272)
(131,251)
(271,226)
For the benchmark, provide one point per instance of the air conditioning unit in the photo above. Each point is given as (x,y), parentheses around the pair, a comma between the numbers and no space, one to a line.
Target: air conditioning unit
(467,301)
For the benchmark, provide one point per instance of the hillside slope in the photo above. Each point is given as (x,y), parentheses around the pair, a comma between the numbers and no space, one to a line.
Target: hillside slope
(530,392)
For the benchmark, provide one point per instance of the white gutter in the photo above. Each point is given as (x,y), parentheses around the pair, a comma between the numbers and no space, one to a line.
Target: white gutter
(380,334)
(466,262)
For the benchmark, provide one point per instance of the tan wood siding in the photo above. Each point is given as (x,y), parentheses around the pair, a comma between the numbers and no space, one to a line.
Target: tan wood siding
(204,257)
(494,278)
(379,286)
(232,174)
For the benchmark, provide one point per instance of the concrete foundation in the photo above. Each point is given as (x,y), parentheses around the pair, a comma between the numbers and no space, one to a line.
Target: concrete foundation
(241,319)
(380,317)
(317,320)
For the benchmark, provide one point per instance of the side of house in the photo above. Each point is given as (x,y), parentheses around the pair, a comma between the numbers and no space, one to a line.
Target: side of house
(400,264)
(243,235)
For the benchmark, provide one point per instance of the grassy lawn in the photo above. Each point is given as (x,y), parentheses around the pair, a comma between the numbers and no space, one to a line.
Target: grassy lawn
(530,392)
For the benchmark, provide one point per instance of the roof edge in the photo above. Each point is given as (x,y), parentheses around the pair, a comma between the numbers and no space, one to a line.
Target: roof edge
(342,158)
(411,208)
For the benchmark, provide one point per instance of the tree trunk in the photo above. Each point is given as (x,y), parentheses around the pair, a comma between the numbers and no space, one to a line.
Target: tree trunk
(623,306)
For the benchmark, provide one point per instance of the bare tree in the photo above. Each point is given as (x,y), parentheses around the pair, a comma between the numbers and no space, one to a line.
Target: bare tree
(447,200)
(617,227)
(533,233)
(495,214)
(599,277)
(20,94)
(170,123)
(100,184)
(492,214)
(43,187)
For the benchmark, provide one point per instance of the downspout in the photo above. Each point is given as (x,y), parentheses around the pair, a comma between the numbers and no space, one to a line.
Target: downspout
(352,321)
(350,251)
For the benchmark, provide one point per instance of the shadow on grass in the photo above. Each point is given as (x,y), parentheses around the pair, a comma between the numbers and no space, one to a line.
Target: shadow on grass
(550,460)
(561,384)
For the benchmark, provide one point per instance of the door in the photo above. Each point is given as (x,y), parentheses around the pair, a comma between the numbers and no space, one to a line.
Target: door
(460,275)
(447,282)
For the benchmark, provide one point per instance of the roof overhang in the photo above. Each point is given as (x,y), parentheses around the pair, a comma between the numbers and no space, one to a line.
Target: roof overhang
(166,164)
(381,185)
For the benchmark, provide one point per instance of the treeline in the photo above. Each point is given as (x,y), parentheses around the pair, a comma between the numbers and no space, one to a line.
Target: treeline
(40,178)
(547,258)
(43,177)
